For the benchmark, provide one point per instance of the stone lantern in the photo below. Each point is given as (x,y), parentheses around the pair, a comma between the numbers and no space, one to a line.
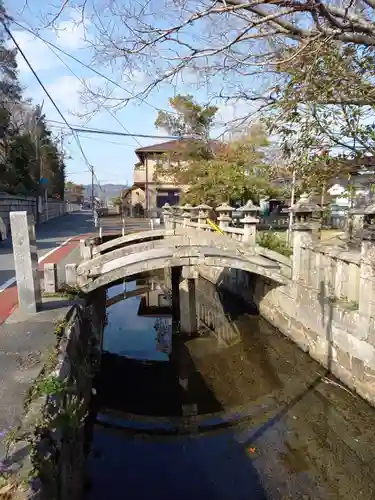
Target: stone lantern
(176,209)
(369,223)
(355,223)
(225,215)
(249,210)
(369,216)
(307,219)
(187,213)
(203,213)
(249,221)
(305,211)
(167,216)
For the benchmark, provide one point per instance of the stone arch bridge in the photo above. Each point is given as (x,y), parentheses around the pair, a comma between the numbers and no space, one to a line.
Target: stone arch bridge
(148,251)
(183,251)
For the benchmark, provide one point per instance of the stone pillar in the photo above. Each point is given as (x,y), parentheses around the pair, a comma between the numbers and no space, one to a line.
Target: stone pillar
(175,279)
(302,235)
(26,261)
(123,225)
(85,251)
(50,278)
(186,218)
(201,219)
(203,213)
(224,221)
(250,230)
(71,274)
(188,306)
(355,223)
(168,217)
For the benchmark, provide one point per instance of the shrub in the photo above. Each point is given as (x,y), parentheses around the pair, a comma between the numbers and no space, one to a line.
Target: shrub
(273,241)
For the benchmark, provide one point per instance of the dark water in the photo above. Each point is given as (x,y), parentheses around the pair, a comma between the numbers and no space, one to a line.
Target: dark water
(238,413)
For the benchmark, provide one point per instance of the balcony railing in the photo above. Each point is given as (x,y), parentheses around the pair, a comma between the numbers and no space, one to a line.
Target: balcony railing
(139,177)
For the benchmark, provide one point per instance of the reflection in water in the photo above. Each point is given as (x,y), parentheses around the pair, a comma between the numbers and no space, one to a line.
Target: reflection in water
(238,412)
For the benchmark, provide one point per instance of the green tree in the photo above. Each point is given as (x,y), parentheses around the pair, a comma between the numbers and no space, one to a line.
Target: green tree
(74,192)
(234,170)
(323,114)
(188,118)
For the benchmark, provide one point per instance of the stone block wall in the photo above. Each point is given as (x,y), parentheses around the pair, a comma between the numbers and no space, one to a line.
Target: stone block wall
(53,428)
(10,203)
(335,333)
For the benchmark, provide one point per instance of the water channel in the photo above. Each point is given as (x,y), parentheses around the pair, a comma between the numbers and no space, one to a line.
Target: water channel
(238,412)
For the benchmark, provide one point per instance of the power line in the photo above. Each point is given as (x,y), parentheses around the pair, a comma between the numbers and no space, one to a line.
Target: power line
(107,142)
(123,126)
(91,130)
(83,83)
(32,32)
(9,33)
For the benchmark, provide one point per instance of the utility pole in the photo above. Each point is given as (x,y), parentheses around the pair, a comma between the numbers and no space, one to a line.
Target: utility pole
(92,192)
(37,133)
(38,170)
(292,197)
(147,194)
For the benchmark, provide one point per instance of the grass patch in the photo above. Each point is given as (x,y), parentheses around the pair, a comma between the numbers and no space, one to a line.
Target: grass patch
(274,241)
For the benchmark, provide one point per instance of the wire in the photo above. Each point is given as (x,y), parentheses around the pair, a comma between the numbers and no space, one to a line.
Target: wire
(32,32)
(9,33)
(77,128)
(107,142)
(123,126)
(83,84)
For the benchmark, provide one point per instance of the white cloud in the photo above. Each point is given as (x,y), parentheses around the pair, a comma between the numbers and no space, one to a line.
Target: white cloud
(69,34)
(37,52)
(235,115)
(72,34)
(65,91)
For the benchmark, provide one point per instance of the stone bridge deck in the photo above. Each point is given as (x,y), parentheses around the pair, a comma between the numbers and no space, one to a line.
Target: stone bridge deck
(323,300)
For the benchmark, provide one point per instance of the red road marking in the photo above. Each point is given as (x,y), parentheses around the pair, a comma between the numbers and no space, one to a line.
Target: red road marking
(60,253)
(8,302)
(9,296)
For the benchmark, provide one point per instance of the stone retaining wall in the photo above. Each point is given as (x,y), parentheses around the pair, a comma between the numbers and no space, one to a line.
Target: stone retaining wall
(51,441)
(341,339)
(9,203)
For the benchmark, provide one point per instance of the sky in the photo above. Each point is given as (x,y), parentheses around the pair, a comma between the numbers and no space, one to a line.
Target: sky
(113,157)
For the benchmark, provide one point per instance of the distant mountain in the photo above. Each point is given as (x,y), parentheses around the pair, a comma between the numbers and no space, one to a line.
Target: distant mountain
(108,191)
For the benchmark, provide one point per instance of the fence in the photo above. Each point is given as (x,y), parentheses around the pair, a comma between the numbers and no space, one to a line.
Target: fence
(11,203)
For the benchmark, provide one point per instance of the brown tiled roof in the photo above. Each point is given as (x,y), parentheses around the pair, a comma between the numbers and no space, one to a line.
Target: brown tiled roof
(169,146)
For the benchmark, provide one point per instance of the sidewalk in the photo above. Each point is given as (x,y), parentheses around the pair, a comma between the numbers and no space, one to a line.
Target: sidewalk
(57,242)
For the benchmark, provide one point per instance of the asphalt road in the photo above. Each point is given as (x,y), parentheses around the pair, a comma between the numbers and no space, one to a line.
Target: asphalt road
(50,236)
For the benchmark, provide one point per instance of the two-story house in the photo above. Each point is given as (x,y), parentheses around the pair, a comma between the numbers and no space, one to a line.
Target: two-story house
(149,192)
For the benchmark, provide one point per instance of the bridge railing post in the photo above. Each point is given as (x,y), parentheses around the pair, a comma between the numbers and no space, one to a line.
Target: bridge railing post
(186,218)
(306,225)
(50,278)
